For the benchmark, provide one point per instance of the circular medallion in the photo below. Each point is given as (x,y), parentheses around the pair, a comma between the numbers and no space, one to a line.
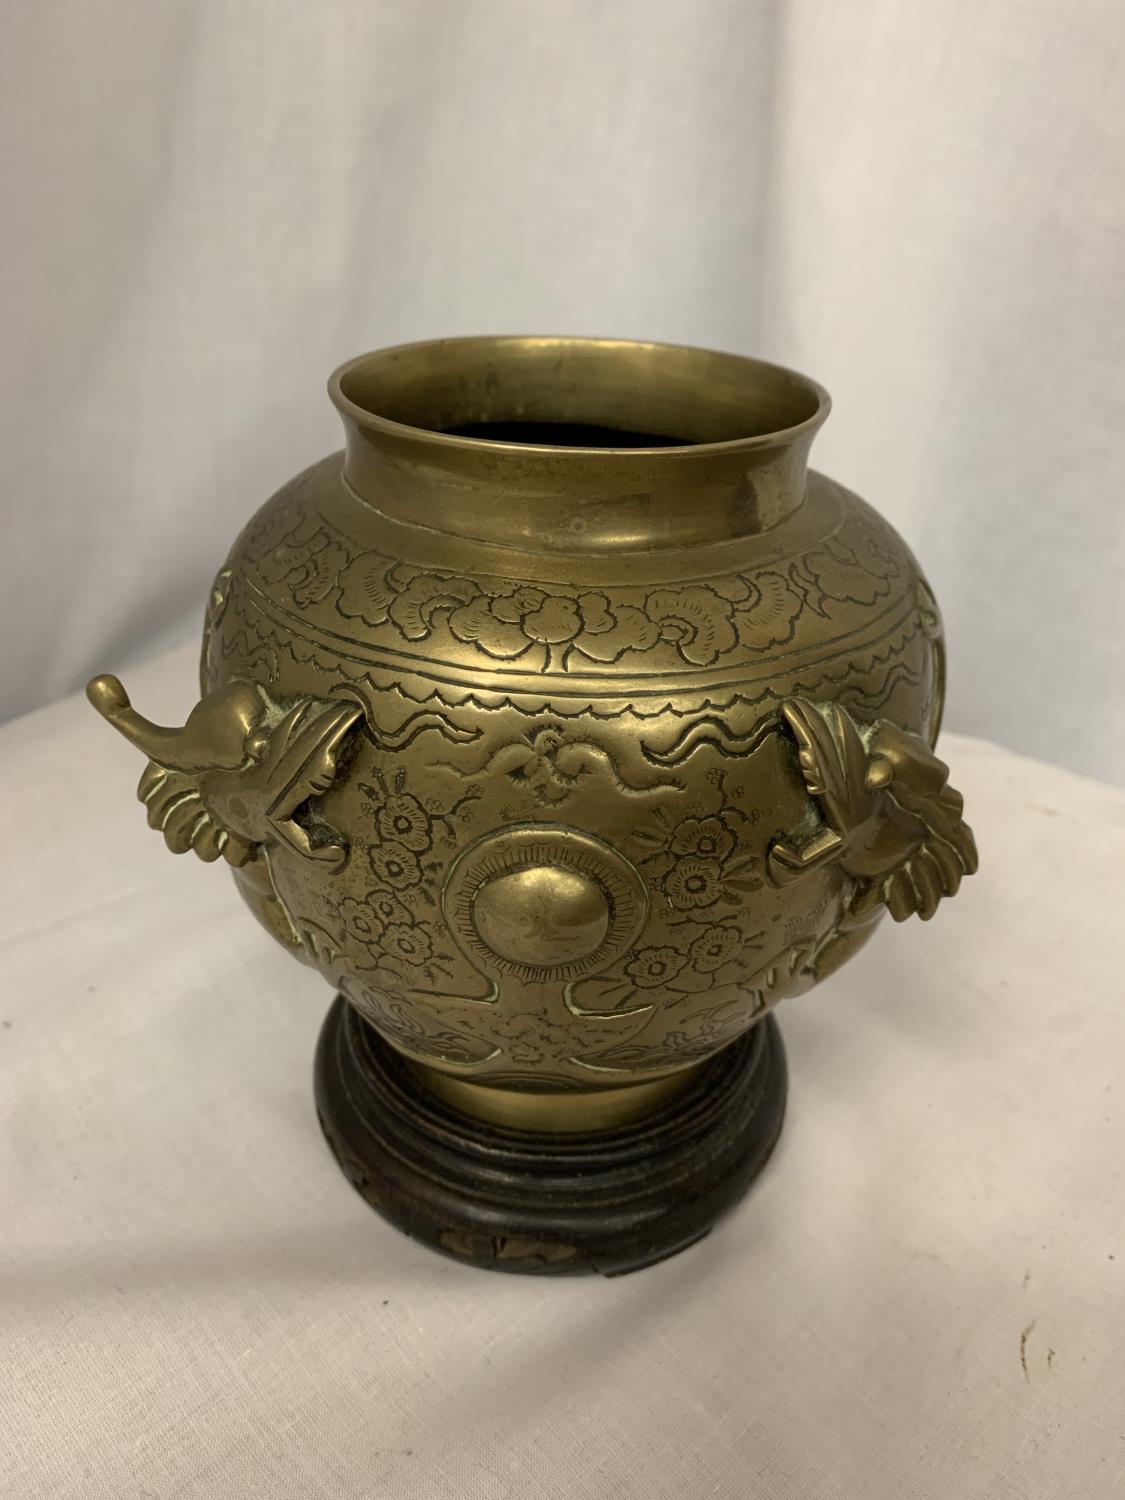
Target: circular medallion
(542,914)
(543,902)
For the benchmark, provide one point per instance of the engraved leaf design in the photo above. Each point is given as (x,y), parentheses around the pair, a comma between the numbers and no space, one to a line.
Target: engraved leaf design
(302,753)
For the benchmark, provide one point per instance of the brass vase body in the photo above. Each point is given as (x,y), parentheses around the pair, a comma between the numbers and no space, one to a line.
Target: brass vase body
(566,722)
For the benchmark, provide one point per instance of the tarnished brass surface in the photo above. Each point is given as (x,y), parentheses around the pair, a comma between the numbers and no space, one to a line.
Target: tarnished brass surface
(566,723)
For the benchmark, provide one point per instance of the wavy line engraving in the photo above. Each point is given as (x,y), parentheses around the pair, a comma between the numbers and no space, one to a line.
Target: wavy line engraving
(711,730)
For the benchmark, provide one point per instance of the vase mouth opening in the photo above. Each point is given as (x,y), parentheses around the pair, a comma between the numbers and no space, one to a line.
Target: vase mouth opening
(575,396)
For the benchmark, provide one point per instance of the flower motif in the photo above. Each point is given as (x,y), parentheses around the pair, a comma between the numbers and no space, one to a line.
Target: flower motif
(497,626)
(697,620)
(608,633)
(708,838)
(389,909)
(554,621)
(507,624)
(394,864)
(361,920)
(652,967)
(365,591)
(769,615)
(853,566)
(715,947)
(427,595)
(402,819)
(306,560)
(694,883)
(410,945)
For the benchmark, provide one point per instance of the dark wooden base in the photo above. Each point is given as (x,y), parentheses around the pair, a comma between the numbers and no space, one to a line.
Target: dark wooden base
(510,1200)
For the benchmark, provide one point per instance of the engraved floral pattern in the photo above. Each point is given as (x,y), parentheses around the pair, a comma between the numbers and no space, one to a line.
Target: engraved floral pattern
(697,859)
(714,947)
(508,625)
(403,820)
(409,944)
(394,920)
(305,561)
(650,968)
(705,865)
(697,620)
(394,865)
(361,921)
(388,908)
(295,548)
(366,592)
(851,568)
(706,838)
(721,1023)
(693,883)
(715,951)
(701,621)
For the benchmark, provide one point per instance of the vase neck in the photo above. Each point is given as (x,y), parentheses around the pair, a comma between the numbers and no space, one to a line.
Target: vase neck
(575,445)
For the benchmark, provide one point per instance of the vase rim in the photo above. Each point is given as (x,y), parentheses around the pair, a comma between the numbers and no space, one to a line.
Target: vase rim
(691,445)
(808,403)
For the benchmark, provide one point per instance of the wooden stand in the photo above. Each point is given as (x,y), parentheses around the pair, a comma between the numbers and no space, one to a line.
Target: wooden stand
(544,1204)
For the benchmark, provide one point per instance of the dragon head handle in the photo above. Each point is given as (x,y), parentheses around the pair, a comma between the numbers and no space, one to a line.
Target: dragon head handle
(889,816)
(242,773)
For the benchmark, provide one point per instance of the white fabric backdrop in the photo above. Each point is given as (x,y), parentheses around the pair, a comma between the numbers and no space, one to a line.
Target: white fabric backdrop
(211,203)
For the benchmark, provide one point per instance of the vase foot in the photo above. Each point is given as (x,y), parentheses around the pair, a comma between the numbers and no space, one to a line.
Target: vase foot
(508,1200)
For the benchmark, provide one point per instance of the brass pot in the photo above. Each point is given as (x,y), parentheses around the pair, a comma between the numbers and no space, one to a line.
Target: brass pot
(565,722)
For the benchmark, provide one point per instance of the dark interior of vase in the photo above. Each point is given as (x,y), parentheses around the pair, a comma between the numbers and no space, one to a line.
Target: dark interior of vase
(563,435)
(580,393)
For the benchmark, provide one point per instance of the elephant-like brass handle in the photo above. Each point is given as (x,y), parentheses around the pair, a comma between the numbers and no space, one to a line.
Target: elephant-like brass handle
(889,816)
(240,775)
